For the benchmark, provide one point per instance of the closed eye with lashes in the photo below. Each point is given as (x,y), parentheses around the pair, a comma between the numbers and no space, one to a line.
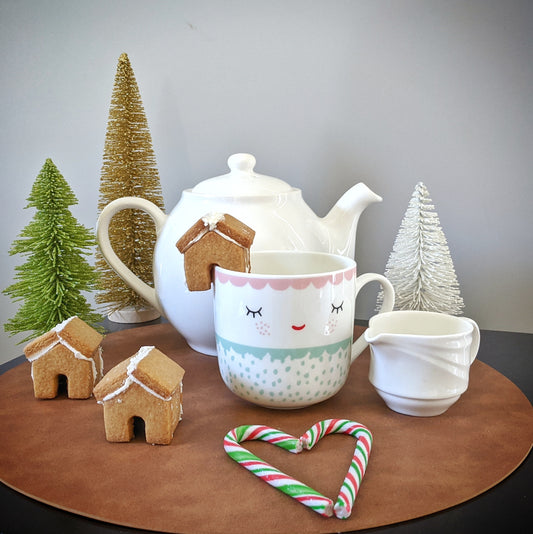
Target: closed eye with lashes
(338,308)
(253,313)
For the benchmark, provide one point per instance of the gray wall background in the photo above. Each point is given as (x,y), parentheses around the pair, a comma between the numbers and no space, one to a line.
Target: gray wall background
(324,93)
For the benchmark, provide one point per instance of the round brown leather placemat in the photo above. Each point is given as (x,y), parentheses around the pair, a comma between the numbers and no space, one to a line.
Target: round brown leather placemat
(55,451)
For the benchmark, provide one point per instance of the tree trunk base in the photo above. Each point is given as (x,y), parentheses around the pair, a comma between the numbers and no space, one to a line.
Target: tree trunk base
(131,315)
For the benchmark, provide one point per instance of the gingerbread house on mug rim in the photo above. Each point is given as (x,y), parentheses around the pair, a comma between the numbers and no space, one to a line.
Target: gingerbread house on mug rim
(148,385)
(215,239)
(71,349)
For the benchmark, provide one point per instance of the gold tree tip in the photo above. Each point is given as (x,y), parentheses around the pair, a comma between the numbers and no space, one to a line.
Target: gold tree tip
(123,57)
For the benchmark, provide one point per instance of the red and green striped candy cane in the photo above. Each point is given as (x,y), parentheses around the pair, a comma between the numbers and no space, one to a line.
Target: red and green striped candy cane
(342,508)
(356,472)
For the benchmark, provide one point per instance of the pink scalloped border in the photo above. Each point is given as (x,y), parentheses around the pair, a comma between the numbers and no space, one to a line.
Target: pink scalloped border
(283,282)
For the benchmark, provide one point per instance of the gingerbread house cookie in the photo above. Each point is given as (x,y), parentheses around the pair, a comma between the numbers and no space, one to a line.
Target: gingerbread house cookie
(72,350)
(148,385)
(215,239)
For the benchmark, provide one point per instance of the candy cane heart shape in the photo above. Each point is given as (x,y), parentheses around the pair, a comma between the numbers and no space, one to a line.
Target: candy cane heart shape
(343,506)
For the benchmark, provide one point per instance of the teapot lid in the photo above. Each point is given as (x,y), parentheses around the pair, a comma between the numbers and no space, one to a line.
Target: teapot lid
(242,181)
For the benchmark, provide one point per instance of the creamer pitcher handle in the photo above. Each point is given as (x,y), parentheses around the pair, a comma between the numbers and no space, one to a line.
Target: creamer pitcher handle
(360,344)
(476,338)
(102,234)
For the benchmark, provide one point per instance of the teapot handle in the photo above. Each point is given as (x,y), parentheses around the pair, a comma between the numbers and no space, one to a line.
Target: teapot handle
(387,305)
(102,234)
(476,338)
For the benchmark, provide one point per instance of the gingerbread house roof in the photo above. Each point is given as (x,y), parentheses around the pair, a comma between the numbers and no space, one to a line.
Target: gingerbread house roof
(222,224)
(148,367)
(76,335)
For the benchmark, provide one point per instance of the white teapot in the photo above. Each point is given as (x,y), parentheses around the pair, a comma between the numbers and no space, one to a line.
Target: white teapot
(274,209)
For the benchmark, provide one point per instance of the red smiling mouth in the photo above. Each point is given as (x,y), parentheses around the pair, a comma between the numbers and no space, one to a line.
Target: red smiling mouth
(294,327)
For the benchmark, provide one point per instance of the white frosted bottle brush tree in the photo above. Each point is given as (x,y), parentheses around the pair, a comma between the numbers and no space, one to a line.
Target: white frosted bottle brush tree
(420,266)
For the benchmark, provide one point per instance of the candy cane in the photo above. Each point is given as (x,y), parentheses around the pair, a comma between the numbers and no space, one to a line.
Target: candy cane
(356,472)
(289,485)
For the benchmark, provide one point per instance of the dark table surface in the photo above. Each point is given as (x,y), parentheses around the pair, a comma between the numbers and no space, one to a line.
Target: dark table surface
(506,508)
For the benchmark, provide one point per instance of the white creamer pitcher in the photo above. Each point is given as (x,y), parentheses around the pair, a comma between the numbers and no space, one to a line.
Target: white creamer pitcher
(420,361)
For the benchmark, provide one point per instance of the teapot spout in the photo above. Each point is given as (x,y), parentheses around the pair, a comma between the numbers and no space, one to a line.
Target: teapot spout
(341,222)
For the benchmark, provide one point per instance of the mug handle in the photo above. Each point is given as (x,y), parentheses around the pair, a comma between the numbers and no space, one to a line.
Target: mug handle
(476,337)
(360,344)
(102,234)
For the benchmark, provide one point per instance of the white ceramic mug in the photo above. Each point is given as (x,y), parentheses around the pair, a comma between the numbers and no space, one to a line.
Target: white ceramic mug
(284,331)
(420,361)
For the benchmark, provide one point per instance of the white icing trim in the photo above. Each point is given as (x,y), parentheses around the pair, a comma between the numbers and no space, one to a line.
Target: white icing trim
(130,379)
(210,225)
(216,231)
(212,219)
(140,355)
(151,391)
(101,357)
(62,325)
(75,352)
(181,403)
(42,352)
(198,236)
(58,328)
(228,238)
(79,356)
(117,391)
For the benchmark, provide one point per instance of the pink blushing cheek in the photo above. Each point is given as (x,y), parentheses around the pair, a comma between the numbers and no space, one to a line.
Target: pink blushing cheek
(263,328)
(331,325)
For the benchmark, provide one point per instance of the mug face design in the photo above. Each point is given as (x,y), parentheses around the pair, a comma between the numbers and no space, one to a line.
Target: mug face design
(285,340)
(284,313)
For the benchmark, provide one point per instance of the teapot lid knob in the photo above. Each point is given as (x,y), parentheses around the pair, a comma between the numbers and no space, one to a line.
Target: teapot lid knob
(241,162)
(242,181)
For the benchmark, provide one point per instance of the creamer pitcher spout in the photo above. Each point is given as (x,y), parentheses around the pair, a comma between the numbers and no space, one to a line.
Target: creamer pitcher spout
(341,222)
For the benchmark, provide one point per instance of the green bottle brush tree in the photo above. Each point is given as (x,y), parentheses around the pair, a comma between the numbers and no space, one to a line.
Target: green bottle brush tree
(51,283)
